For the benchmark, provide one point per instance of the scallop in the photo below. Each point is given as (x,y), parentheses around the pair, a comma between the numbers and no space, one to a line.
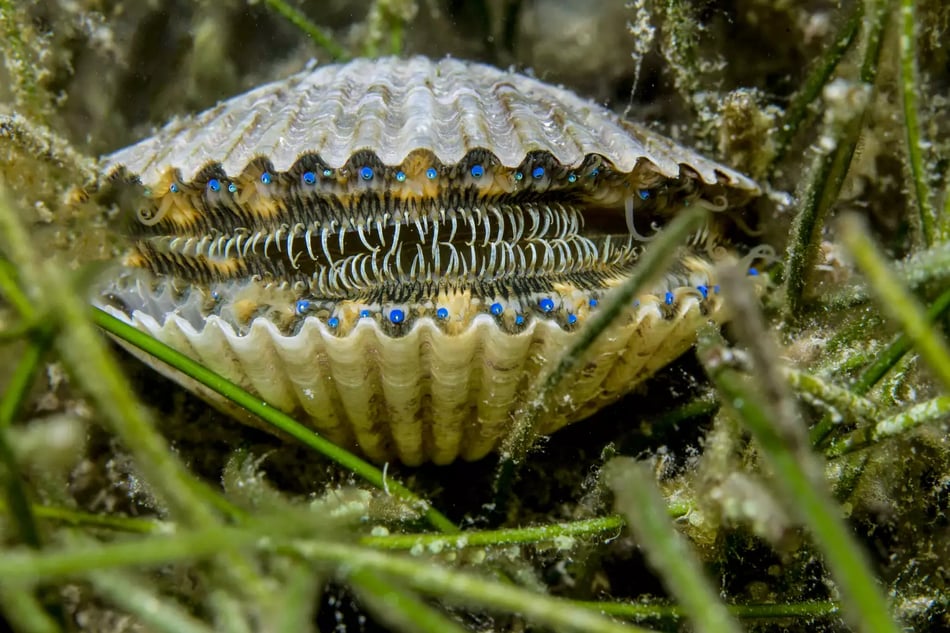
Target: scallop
(395,251)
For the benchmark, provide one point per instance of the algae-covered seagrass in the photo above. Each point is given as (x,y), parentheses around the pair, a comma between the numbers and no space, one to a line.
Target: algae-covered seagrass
(395,250)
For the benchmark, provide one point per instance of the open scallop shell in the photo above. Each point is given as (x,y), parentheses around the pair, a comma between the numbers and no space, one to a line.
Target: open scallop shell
(427,389)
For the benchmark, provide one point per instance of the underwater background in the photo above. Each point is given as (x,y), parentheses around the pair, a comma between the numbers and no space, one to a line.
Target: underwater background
(803,458)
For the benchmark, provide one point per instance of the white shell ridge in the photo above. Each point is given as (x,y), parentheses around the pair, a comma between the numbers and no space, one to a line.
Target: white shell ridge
(394,106)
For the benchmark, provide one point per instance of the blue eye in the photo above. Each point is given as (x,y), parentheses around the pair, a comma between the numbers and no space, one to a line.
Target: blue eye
(333,322)
(366,173)
(537,173)
(214,185)
(364,314)
(519,320)
(232,187)
(302,306)
(572,177)
(497,309)
(266,178)
(397,316)
(716,289)
(327,173)
(592,303)
(594,172)
(442,313)
(477,171)
(703,290)
(546,304)
(173,188)
(668,299)
(519,175)
(431,173)
(401,176)
(644,194)
(309,178)
(572,319)
(753,272)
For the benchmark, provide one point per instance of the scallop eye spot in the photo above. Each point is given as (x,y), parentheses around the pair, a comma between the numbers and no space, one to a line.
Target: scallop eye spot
(309,178)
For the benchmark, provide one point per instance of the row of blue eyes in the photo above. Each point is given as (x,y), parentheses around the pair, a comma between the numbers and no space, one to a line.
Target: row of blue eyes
(367,173)
(546,304)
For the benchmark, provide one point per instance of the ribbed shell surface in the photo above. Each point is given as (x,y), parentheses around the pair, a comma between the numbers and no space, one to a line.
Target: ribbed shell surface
(429,395)
(394,106)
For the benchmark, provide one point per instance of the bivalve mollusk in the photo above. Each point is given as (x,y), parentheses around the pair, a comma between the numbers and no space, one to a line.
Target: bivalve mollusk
(396,250)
